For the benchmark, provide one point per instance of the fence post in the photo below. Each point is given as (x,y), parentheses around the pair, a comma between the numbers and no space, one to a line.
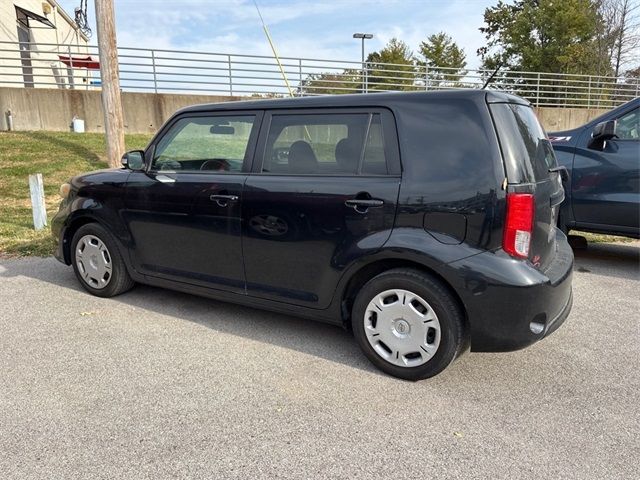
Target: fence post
(71,78)
(36,188)
(153,66)
(426,76)
(300,89)
(589,93)
(538,91)
(366,77)
(230,78)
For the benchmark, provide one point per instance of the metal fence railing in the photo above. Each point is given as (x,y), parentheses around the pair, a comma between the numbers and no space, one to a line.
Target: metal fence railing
(183,71)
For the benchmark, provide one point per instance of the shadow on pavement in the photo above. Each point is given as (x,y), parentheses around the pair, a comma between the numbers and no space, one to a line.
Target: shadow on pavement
(321,340)
(612,259)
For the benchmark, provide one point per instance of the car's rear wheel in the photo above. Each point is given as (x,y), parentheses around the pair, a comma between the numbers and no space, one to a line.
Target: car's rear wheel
(97,262)
(408,324)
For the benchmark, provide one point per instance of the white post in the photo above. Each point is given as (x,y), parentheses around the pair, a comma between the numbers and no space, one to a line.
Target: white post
(36,187)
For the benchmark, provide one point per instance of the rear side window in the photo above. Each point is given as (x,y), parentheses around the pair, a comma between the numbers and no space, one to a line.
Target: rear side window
(527,152)
(325,144)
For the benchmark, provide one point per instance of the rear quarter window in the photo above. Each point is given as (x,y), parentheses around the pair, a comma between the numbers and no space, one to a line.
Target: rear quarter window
(527,152)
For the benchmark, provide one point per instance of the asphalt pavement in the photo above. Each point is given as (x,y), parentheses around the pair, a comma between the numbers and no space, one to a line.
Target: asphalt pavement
(157,384)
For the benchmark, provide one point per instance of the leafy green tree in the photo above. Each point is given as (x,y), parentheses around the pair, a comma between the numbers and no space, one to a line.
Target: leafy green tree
(441,52)
(398,76)
(541,35)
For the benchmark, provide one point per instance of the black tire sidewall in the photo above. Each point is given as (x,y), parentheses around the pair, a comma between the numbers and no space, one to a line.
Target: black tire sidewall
(118,268)
(444,305)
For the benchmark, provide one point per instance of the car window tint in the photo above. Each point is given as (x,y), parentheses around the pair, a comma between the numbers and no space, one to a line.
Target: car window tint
(628,126)
(205,144)
(323,144)
(525,146)
(374,162)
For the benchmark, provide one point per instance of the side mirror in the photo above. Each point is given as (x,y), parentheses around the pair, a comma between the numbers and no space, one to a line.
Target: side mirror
(601,133)
(133,160)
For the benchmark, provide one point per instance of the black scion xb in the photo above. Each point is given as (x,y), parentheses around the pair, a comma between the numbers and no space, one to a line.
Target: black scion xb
(425,222)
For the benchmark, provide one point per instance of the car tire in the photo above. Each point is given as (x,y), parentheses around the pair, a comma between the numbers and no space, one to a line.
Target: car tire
(408,324)
(98,263)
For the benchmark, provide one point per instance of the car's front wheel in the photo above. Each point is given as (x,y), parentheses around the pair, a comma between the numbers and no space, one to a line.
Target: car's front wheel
(408,324)
(97,262)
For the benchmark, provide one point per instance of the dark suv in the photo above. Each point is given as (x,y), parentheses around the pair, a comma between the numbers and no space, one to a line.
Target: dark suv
(423,221)
(603,157)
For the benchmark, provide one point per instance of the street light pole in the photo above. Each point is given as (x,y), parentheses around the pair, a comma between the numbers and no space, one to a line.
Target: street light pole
(363,37)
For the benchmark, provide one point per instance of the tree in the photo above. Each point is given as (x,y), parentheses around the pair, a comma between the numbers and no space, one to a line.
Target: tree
(441,52)
(349,81)
(392,68)
(541,35)
(625,26)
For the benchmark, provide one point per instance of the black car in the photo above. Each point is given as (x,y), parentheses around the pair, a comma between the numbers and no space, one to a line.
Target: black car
(603,156)
(425,222)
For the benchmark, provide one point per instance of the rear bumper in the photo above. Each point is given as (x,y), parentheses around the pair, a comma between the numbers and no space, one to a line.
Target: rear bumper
(510,304)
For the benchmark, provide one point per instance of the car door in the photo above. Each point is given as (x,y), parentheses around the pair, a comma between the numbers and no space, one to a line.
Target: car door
(183,212)
(322,193)
(606,182)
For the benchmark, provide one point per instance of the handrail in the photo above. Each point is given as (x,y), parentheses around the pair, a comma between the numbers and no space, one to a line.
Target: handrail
(164,70)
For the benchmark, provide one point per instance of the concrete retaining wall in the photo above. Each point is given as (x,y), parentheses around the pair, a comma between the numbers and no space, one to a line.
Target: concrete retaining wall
(53,110)
(554,119)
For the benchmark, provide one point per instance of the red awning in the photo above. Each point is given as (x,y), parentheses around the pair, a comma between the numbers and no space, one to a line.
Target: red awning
(80,62)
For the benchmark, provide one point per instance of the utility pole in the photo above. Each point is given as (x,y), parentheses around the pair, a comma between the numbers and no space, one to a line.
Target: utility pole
(111,101)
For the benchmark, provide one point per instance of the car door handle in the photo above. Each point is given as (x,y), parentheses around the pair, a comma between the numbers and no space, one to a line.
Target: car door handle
(362,205)
(223,200)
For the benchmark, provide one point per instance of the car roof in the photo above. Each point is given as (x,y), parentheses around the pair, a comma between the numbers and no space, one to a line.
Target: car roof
(387,99)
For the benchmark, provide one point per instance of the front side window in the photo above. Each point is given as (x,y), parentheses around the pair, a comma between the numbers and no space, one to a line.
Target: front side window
(628,126)
(212,144)
(325,144)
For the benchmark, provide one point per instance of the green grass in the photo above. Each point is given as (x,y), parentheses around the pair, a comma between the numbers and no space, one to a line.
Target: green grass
(58,156)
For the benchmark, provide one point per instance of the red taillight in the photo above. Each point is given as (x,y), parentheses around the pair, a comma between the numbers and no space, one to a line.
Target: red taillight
(518,226)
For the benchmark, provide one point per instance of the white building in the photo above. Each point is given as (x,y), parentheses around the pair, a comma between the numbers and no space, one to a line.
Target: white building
(42,46)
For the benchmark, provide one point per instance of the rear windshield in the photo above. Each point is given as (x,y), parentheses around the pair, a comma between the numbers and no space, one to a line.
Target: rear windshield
(528,154)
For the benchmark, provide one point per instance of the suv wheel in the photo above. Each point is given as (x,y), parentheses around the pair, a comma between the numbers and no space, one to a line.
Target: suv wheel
(97,262)
(408,324)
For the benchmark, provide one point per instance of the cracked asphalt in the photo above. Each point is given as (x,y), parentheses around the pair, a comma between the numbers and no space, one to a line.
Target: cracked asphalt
(157,384)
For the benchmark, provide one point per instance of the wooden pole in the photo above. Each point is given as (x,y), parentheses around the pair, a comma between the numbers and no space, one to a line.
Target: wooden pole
(111,101)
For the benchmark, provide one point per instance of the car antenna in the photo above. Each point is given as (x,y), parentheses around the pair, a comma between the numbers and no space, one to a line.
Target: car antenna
(492,75)
(273,49)
(275,54)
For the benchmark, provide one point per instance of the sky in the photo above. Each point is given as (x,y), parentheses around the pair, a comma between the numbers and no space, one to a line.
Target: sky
(308,29)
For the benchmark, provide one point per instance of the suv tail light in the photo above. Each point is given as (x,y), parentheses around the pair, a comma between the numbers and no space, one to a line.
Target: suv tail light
(518,226)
